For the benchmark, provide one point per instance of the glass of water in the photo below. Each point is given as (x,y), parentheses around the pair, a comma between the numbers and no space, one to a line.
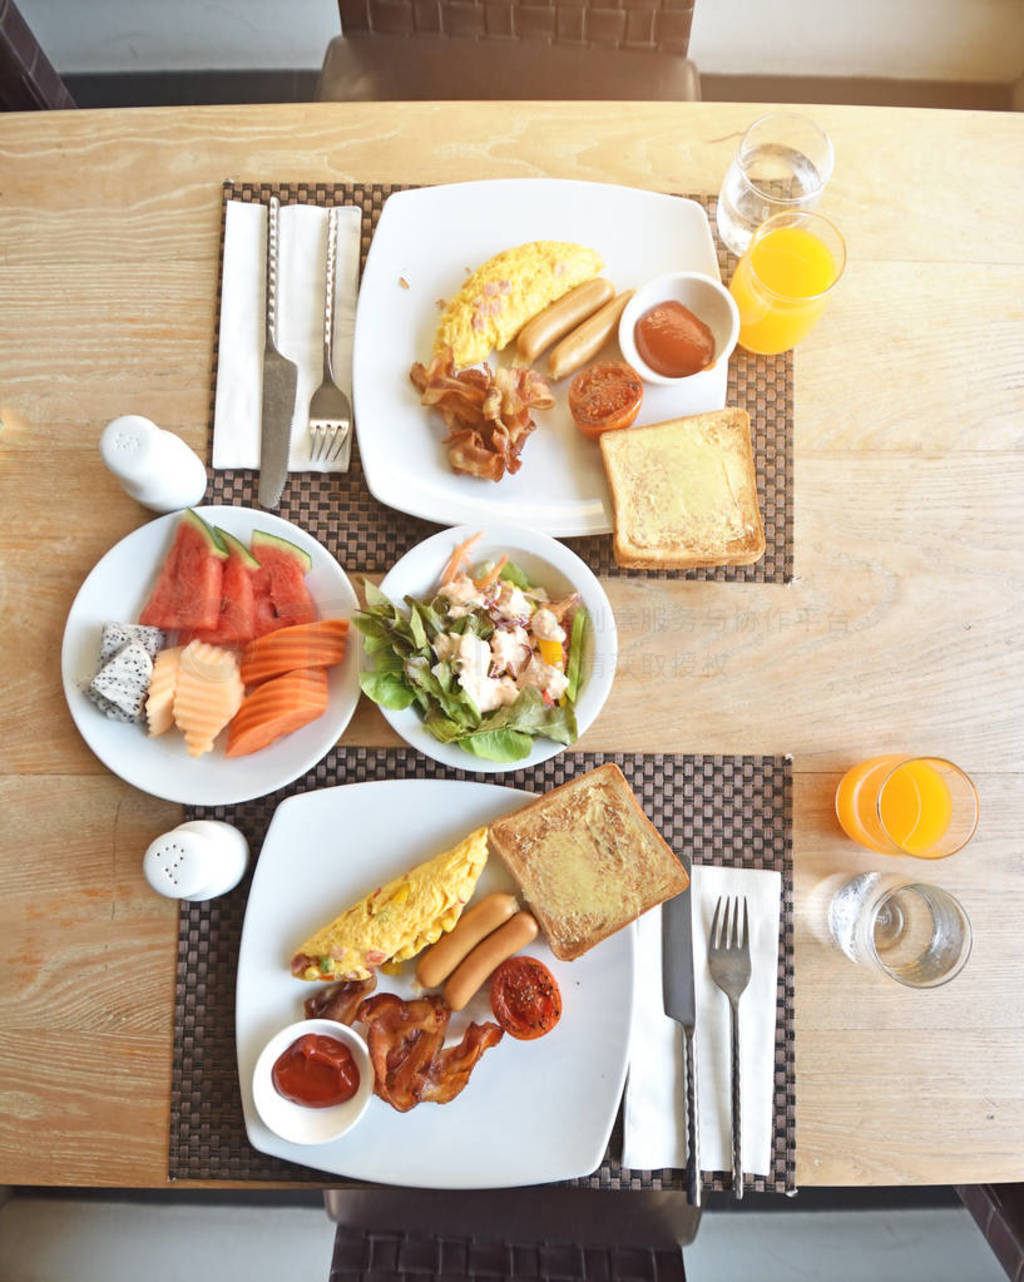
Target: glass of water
(917,934)
(783,165)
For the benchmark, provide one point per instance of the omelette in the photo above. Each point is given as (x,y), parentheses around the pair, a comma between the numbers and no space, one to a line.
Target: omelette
(394,922)
(508,290)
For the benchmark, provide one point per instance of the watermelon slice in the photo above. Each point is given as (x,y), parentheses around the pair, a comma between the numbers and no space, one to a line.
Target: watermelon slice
(282,597)
(188,590)
(237,622)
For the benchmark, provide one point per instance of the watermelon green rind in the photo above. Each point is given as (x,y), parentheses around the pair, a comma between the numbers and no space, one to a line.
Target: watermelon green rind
(207,531)
(261,538)
(231,544)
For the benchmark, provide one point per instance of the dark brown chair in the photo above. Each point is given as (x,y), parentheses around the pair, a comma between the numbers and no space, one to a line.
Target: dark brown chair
(998,1210)
(409,50)
(409,1235)
(28,81)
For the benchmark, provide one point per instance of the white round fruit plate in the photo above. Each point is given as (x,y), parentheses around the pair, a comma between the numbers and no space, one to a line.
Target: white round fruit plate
(116,591)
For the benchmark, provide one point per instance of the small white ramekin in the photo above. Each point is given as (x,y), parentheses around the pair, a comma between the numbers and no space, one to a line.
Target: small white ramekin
(294,1122)
(705,297)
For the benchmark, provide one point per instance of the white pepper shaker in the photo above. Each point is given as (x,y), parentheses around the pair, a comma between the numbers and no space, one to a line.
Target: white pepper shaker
(154,466)
(197,860)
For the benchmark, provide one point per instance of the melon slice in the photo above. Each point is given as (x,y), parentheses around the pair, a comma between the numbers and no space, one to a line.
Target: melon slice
(162,687)
(188,590)
(237,622)
(282,598)
(209,692)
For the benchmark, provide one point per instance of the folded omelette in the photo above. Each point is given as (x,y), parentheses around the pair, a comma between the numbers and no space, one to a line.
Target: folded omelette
(394,922)
(509,289)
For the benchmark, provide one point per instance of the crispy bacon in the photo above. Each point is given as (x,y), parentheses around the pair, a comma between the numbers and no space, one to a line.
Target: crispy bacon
(403,1038)
(452,1066)
(405,1041)
(487,412)
(339,1001)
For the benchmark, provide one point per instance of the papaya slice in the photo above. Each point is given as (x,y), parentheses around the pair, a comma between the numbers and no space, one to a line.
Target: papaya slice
(305,645)
(276,708)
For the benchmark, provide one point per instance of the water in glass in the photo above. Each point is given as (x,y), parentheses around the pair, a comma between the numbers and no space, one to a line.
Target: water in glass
(769,179)
(918,934)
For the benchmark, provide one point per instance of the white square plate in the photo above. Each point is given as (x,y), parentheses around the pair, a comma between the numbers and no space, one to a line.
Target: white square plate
(428,238)
(532,1111)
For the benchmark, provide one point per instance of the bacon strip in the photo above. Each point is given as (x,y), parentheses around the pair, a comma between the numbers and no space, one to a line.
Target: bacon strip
(339,1001)
(487,412)
(452,1066)
(405,1041)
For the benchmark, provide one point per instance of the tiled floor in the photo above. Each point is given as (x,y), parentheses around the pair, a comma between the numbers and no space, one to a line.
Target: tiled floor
(57,1240)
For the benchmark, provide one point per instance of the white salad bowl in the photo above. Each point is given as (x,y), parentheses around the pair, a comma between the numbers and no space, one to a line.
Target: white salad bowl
(295,1122)
(546,563)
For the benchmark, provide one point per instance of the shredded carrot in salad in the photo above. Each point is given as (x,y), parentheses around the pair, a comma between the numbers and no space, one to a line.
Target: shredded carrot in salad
(456,559)
(492,574)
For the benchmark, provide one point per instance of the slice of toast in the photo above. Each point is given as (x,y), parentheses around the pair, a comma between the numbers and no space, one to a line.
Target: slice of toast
(684,492)
(587,859)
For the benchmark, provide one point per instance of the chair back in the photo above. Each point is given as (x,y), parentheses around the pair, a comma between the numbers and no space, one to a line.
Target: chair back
(662,25)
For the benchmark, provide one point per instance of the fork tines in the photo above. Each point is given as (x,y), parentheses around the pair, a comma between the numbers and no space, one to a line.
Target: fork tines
(720,938)
(328,441)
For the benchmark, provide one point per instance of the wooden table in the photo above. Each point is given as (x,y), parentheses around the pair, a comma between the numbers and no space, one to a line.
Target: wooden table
(900,631)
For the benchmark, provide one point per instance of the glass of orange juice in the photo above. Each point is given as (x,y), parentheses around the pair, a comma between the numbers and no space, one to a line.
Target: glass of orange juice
(783,282)
(899,805)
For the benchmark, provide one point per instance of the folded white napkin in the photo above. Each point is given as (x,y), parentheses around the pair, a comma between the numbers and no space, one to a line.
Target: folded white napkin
(302,273)
(655,1116)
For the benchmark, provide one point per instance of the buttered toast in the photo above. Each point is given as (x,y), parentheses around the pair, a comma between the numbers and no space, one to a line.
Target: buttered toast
(587,859)
(684,492)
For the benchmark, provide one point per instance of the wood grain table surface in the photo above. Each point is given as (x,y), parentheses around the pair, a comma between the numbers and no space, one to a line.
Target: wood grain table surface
(900,632)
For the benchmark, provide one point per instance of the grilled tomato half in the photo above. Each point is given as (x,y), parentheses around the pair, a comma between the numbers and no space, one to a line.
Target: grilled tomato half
(525,998)
(605,397)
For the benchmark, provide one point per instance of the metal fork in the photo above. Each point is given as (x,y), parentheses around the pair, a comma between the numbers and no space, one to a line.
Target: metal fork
(330,410)
(729,960)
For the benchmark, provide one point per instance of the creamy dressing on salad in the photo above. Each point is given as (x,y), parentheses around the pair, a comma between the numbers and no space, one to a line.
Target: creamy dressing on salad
(489,662)
(492,673)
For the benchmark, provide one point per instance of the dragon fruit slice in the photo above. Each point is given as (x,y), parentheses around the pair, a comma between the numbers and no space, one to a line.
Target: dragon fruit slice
(122,683)
(117,635)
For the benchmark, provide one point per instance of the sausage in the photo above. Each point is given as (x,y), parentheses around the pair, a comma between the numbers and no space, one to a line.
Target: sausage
(438,962)
(487,956)
(565,314)
(586,340)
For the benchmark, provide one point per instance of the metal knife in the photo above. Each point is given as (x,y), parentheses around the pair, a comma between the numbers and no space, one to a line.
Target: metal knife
(280,377)
(677,986)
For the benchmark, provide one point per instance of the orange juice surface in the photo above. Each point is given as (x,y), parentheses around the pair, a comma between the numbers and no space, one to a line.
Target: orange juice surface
(891,807)
(916,807)
(780,288)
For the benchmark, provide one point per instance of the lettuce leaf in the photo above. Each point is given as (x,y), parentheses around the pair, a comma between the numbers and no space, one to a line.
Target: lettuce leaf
(498,745)
(574,663)
(386,689)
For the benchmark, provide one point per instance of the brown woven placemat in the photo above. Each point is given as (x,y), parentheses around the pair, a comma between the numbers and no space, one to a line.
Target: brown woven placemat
(361,532)
(733,811)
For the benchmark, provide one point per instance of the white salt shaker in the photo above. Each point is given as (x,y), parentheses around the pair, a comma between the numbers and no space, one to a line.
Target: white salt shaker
(197,860)
(154,466)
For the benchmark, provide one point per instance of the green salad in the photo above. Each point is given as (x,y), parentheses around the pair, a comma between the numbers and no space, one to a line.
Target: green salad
(490,661)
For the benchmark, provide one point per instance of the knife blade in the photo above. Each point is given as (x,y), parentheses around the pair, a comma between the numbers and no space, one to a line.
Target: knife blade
(280,379)
(679,1000)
